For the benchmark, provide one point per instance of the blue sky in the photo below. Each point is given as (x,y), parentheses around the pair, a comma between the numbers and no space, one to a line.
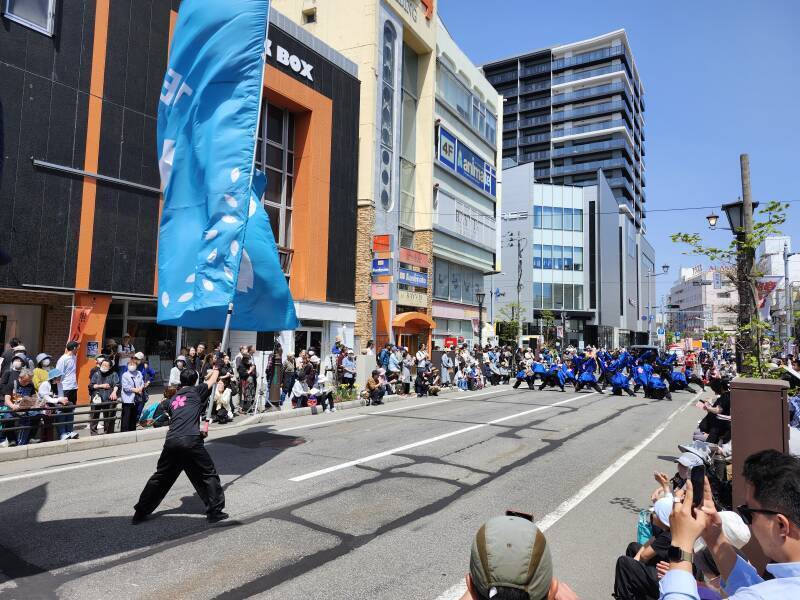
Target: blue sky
(720,78)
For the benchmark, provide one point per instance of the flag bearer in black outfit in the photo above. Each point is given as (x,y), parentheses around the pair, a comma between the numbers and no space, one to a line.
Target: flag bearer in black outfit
(184,451)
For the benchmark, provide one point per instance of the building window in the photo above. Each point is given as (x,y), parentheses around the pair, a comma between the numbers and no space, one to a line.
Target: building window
(568,258)
(455,283)
(387,117)
(547,257)
(38,15)
(537,256)
(470,108)
(537,217)
(577,219)
(408,137)
(309,16)
(537,294)
(275,157)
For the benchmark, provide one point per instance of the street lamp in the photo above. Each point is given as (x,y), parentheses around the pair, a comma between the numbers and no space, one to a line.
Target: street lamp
(734,212)
(480,297)
(712,220)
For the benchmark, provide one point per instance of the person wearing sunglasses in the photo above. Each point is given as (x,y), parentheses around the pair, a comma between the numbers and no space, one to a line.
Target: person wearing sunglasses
(772,511)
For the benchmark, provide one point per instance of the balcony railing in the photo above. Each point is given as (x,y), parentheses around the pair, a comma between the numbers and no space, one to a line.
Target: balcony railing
(587,128)
(531,156)
(509,124)
(593,147)
(534,87)
(612,163)
(595,109)
(496,78)
(617,182)
(582,59)
(531,121)
(530,104)
(534,139)
(512,143)
(536,69)
(566,78)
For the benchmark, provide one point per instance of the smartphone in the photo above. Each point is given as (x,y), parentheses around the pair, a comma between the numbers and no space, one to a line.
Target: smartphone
(698,478)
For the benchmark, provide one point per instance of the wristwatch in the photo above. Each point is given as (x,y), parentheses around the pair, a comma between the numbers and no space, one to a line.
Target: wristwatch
(676,554)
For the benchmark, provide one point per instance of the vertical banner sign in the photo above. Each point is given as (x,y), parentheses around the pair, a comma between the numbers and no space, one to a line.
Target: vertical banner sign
(215,242)
(80,318)
(765,286)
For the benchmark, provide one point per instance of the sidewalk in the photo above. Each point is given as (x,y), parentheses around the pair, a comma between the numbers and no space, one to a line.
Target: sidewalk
(150,433)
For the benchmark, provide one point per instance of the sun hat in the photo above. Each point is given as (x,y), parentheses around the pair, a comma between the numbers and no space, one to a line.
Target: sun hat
(690,460)
(510,552)
(663,508)
(41,356)
(54,373)
(139,356)
(733,527)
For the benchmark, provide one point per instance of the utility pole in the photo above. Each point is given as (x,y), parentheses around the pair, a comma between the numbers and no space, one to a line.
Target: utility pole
(745,261)
(515,237)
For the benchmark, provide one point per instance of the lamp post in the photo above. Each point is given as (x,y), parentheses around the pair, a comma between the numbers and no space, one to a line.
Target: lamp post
(480,297)
(649,274)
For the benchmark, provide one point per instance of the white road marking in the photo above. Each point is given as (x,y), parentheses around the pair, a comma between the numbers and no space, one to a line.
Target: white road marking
(457,591)
(106,461)
(365,459)
(383,412)
(82,465)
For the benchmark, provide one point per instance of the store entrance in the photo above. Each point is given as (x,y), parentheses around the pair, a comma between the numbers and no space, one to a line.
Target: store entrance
(308,338)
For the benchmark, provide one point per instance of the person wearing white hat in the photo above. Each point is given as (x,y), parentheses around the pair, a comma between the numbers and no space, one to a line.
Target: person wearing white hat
(635,575)
(772,511)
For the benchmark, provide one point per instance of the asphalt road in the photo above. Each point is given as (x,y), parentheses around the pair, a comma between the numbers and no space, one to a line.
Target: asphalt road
(379,502)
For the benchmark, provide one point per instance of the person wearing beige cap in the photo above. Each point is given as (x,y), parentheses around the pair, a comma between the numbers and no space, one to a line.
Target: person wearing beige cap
(511,560)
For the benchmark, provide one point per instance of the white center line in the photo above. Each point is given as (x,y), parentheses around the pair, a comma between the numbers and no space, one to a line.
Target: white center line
(546,522)
(365,459)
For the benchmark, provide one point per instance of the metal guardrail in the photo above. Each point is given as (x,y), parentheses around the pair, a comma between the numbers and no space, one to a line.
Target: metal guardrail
(49,413)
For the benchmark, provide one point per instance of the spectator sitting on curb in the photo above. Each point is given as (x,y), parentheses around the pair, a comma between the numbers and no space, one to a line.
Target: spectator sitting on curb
(375,389)
(510,560)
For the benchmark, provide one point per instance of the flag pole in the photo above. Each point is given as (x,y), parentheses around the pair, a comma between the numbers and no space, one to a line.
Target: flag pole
(225,334)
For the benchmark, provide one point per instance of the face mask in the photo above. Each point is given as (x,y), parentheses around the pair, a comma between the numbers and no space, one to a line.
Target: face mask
(46,362)
(180,364)
(16,365)
(131,368)
(104,370)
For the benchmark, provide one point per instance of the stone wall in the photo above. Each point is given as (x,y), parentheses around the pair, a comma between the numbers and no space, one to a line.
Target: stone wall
(365,227)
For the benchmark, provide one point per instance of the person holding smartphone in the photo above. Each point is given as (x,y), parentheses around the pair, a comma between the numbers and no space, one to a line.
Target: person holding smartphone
(184,450)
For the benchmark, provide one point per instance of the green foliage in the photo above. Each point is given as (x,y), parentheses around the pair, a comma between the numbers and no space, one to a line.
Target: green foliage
(716,334)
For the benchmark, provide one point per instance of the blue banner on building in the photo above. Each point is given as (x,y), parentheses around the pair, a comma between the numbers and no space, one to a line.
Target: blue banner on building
(461,159)
(215,242)
(381,266)
(415,278)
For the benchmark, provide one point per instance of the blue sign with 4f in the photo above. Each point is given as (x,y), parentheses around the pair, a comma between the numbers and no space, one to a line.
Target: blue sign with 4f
(460,158)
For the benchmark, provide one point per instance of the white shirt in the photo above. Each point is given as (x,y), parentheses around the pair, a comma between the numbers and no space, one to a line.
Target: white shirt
(69,381)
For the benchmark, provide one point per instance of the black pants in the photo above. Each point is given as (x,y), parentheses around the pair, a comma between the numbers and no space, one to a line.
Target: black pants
(187,454)
(552,381)
(634,580)
(617,391)
(128,422)
(590,384)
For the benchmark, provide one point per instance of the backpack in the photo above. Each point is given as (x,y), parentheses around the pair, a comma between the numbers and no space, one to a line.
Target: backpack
(222,416)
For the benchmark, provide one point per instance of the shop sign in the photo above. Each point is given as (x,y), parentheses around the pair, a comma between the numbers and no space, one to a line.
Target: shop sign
(382,243)
(409,298)
(282,56)
(410,8)
(92,349)
(462,160)
(80,318)
(414,278)
(450,342)
(381,291)
(381,266)
(414,258)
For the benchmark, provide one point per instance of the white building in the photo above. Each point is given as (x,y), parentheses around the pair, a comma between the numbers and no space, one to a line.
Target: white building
(769,258)
(704,298)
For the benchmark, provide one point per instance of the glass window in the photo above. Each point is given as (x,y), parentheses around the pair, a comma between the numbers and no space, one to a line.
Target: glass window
(491,127)
(537,256)
(441,281)
(577,258)
(467,291)
(547,295)
(558,296)
(567,258)
(537,217)
(547,257)
(578,297)
(567,219)
(557,220)
(456,279)
(406,194)
(577,219)
(547,217)
(408,133)
(558,261)
(568,301)
(36,14)
(410,71)
(537,294)
(275,157)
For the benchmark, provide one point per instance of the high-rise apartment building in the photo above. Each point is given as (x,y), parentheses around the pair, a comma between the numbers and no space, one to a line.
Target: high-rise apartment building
(574,109)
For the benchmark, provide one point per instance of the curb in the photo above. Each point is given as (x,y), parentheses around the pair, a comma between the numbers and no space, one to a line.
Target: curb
(143,435)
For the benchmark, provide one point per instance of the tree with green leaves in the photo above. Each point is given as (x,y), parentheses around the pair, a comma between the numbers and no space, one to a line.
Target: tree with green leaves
(510,315)
(751,332)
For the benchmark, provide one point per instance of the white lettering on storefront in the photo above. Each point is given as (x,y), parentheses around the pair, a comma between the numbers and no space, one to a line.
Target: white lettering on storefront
(294,62)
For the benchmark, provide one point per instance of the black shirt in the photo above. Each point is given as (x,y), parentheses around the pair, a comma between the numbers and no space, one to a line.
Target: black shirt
(7,380)
(185,409)
(724,402)
(660,545)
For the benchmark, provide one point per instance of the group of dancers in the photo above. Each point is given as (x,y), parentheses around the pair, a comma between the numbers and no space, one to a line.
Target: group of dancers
(599,369)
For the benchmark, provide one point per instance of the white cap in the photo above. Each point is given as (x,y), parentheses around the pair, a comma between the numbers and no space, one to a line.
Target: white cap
(663,508)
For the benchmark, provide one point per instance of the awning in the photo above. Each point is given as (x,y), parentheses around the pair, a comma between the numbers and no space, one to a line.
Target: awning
(417,319)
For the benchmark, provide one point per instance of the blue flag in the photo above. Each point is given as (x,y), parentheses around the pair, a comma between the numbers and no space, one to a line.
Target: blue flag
(215,242)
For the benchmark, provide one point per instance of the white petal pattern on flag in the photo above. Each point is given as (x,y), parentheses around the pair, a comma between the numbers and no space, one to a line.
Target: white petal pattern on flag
(246,276)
